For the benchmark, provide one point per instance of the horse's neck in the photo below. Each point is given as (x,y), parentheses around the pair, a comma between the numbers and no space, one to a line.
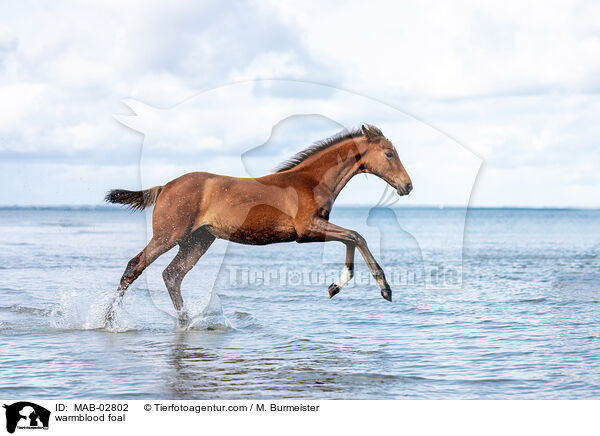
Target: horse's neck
(333,168)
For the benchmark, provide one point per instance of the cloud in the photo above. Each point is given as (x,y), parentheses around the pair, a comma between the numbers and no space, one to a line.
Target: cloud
(455,50)
(65,77)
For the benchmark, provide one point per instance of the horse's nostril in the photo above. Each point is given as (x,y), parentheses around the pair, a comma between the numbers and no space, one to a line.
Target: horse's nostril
(408,187)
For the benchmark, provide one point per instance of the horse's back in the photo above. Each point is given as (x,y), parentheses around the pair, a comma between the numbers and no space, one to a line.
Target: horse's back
(249,211)
(243,210)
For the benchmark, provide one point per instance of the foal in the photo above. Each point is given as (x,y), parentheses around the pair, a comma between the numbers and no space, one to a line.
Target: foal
(292,204)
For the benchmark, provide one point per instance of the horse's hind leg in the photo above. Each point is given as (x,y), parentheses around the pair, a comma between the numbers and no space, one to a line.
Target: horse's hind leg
(190,250)
(346,274)
(135,267)
(139,263)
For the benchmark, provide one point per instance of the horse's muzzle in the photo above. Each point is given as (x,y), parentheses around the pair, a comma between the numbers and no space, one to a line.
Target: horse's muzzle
(404,190)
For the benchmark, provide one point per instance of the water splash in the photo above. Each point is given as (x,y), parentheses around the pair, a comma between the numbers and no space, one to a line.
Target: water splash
(79,310)
(82,311)
(211,317)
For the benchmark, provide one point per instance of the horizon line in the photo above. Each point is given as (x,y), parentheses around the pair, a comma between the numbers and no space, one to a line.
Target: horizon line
(408,206)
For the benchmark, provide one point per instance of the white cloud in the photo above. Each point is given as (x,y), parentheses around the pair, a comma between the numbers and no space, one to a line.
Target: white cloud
(457,49)
(19,100)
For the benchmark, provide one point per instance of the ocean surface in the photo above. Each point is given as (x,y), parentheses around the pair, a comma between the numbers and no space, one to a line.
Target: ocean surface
(509,309)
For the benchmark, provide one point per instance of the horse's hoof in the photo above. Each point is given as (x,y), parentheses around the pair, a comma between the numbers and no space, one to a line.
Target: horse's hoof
(109,314)
(386,293)
(333,289)
(109,318)
(107,322)
(183,320)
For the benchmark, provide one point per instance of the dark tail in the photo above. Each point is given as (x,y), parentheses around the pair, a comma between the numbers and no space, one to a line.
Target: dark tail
(136,200)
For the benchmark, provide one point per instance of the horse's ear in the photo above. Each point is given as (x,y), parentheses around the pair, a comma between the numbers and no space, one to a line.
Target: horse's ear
(375,130)
(370,132)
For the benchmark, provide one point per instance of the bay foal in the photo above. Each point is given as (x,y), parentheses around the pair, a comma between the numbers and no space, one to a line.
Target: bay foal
(292,204)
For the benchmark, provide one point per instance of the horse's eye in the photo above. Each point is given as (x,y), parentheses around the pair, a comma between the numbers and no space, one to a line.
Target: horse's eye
(389,155)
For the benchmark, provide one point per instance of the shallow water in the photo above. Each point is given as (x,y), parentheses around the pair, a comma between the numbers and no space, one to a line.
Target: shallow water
(524,324)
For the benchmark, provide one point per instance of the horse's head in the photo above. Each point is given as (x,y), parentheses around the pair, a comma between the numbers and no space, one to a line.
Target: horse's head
(381,158)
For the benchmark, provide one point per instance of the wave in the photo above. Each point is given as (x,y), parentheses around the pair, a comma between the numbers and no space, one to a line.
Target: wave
(17,308)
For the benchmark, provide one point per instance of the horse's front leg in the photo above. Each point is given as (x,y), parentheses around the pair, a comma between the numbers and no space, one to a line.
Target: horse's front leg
(347,272)
(320,230)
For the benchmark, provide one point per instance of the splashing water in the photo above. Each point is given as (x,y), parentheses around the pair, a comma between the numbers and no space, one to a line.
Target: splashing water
(83,311)
(78,311)
(211,317)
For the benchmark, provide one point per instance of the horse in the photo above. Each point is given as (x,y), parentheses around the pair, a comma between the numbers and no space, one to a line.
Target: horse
(291,204)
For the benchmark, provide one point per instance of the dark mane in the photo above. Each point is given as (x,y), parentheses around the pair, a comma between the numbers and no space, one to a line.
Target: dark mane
(301,156)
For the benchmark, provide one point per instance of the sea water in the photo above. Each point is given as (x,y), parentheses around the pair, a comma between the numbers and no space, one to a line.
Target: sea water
(512,312)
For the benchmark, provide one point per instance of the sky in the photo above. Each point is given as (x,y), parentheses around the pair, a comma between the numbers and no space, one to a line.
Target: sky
(488,103)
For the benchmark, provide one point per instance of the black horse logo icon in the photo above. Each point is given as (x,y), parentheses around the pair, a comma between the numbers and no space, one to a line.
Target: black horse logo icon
(26,414)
